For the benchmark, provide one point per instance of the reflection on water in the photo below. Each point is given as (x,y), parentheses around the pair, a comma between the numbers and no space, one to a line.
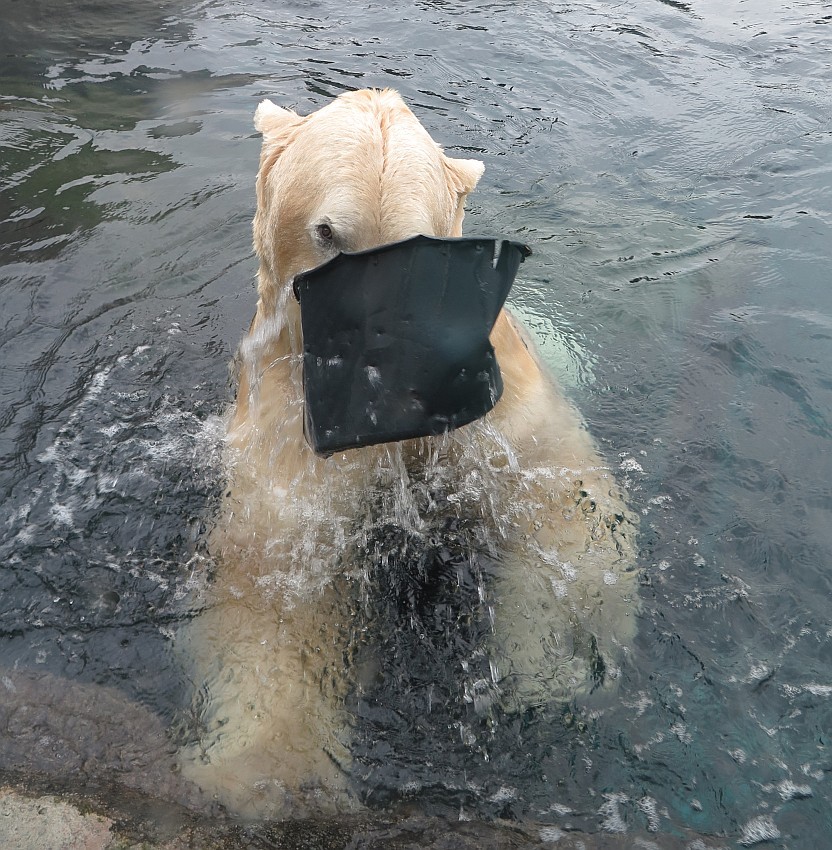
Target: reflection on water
(670,164)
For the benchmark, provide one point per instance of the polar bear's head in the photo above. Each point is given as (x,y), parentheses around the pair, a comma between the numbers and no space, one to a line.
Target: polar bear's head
(358,173)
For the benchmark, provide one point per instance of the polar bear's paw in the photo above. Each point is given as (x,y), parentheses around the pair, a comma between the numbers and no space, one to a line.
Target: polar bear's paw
(257,784)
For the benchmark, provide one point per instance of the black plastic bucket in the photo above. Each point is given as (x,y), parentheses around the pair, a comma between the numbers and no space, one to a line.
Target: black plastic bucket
(395,339)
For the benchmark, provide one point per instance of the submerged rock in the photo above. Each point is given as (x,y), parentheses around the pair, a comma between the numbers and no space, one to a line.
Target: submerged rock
(83,736)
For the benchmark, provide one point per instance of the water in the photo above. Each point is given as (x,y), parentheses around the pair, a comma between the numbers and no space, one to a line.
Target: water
(671,165)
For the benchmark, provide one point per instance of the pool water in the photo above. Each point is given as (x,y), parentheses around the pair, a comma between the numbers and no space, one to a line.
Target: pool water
(669,162)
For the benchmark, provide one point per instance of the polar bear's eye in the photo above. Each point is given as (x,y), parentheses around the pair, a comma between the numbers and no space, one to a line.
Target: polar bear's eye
(324,232)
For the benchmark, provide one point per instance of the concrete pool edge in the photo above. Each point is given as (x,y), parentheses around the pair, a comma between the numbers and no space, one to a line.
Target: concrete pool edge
(32,820)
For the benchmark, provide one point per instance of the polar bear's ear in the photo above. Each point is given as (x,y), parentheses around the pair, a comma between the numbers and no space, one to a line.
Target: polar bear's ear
(464,174)
(270,118)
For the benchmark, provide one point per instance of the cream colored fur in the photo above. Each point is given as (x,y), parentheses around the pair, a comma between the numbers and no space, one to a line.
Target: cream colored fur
(271,648)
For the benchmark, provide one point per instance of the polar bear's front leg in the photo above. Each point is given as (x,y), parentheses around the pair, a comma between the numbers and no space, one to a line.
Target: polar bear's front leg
(269,676)
(566,594)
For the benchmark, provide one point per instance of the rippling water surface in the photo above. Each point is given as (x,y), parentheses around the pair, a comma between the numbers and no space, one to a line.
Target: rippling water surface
(671,165)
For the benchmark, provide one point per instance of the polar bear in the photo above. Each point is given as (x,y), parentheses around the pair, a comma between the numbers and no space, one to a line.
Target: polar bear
(272,650)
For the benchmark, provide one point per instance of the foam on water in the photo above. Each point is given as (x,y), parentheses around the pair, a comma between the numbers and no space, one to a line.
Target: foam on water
(612,818)
(649,807)
(550,834)
(757,830)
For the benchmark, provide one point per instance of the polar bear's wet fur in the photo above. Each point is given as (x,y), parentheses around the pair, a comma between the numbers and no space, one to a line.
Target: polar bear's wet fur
(271,650)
